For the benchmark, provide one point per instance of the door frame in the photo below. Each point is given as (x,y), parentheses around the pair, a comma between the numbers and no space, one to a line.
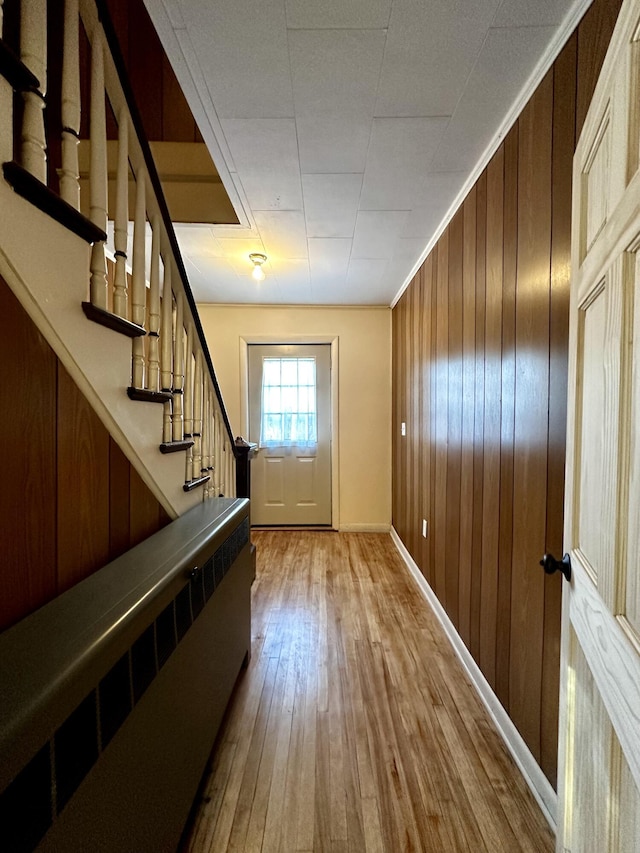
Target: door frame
(333,341)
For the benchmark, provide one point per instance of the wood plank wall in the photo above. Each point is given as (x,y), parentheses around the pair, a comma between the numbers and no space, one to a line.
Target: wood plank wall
(166,115)
(69,499)
(480,379)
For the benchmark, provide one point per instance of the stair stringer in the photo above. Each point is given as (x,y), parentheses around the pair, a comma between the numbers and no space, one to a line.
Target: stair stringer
(47,267)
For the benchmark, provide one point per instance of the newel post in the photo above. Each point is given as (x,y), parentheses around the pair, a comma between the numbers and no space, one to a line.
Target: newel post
(245,452)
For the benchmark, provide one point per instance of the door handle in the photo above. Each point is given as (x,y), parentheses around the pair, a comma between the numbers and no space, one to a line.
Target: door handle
(551,565)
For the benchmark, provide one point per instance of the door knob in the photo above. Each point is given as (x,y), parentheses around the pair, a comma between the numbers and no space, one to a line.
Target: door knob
(551,565)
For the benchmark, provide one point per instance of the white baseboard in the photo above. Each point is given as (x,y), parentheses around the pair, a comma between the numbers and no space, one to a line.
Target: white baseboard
(365,528)
(540,786)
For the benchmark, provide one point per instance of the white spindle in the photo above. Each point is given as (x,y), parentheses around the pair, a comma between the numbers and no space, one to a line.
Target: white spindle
(69,174)
(203,440)
(120,295)
(33,52)
(188,387)
(206,441)
(178,372)
(138,281)
(223,457)
(153,371)
(221,454)
(6,109)
(188,407)
(211,450)
(33,38)
(166,329)
(213,491)
(98,170)
(166,350)
(233,486)
(230,480)
(223,468)
(166,423)
(197,417)
(217,449)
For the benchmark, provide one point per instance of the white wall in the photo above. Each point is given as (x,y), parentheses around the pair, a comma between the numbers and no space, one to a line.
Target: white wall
(364,389)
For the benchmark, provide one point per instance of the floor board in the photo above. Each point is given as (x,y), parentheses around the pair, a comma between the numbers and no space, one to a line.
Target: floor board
(355,729)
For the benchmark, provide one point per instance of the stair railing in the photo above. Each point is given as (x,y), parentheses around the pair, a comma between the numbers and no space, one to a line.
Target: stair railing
(110,194)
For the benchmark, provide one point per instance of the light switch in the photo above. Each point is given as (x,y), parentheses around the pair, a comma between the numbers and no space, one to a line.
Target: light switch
(403,428)
(424,527)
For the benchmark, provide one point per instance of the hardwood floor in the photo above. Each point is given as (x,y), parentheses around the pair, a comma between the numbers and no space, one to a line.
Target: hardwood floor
(354,727)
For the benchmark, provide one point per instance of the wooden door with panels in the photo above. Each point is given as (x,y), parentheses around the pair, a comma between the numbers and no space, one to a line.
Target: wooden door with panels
(290,420)
(599,760)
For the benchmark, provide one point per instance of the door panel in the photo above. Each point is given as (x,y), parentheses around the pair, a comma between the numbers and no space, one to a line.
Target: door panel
(599,756)
(631,580)
(629,810)
(274,480)
(595,177)
(305,480)
(291,484)
(590,759)
(590,432)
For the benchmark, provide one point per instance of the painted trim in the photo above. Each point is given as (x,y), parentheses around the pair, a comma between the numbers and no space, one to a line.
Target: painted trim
(564,32)
(365,528)
(333,341)
(540,786)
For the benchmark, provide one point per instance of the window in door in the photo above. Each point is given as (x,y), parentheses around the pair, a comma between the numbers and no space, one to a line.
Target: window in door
(289,411)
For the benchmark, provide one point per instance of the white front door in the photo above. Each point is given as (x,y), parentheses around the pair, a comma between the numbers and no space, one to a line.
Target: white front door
(290,420)
(599,778)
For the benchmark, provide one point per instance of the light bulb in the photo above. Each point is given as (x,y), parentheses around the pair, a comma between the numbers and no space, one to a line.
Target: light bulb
(257,259)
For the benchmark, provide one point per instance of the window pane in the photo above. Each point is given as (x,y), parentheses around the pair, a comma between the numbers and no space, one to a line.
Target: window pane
(271,371)
(306,399)
(272,399)
(289,371)
(307,371)
(289,399)
(272,425)
(311,428)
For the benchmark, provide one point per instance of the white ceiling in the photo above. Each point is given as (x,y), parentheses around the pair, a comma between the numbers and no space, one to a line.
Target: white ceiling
(344,130)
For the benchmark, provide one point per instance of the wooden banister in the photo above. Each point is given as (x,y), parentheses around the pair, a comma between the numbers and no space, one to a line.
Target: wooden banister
(147,298)
(114,47)
(187,302)
(139,293)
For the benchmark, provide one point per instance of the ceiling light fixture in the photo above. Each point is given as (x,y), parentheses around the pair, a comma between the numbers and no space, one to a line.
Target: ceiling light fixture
(257,259)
